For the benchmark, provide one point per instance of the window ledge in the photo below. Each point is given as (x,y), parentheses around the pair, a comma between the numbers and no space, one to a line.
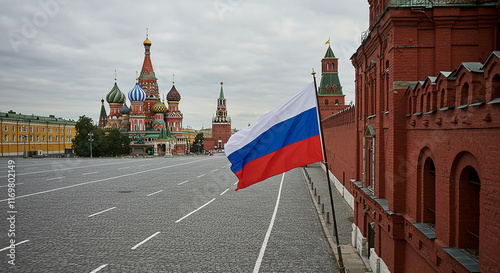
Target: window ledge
(426,230)
(417,114)
(384,203)
(463,258)
(370,117)
(477,104)
(494,101)
(430,112)
(462,106)
(447,108)
(386,112)
(409,115)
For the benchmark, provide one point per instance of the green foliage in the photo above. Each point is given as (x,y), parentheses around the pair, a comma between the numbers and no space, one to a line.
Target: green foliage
(113,144)
(197,145)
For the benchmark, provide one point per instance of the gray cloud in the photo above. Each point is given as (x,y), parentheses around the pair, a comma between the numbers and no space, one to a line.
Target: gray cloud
(58,57)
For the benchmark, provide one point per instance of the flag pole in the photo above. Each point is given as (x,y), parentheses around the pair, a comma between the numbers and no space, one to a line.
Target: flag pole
(340,261)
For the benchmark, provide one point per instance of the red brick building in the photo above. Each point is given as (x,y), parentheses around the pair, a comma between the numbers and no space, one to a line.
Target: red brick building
(221,126)
(418,156)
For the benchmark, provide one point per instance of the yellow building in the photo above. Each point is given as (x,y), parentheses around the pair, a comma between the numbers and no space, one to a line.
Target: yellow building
(37,135)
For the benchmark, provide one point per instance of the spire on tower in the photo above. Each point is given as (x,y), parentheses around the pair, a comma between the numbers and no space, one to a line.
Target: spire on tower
(115,75)
(221,95)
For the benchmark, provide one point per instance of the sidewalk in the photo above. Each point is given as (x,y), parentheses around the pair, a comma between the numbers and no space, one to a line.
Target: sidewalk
(318,189)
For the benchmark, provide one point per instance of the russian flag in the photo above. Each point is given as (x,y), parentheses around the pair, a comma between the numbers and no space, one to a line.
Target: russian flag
(283,139)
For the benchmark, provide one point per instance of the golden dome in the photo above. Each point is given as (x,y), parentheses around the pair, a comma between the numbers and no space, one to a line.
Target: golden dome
(147,41)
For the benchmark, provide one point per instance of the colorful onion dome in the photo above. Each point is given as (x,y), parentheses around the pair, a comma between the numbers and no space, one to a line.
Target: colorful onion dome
(173,95)
(137,94)
(159,107)
(125,110)
(115,95)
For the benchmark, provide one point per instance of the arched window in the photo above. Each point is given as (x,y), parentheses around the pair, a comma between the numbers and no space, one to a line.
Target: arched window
(428,105)
(442,99)
(326,102)
(333,66)
(464,94)
(429,192)
(468,233)
(495,87)
(327,67)
(336,102)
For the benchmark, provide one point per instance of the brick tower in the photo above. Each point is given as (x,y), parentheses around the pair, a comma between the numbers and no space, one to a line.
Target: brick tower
(148,83)
(331,98)
(221,123)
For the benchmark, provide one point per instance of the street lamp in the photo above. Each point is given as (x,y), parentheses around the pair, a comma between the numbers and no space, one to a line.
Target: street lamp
(90,139)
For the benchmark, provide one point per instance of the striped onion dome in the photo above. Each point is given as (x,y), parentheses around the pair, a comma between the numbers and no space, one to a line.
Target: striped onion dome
(159,107)
(115,95)
(137,94)
(173,95)
(125,110)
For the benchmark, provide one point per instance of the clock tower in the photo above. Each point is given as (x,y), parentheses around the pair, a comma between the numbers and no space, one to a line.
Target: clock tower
(221,125)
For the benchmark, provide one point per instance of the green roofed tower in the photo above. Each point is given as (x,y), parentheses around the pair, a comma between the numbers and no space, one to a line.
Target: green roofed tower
(331,98)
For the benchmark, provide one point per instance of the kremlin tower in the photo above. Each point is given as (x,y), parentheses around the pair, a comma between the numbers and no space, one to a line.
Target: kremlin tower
(331,98)
(221,125)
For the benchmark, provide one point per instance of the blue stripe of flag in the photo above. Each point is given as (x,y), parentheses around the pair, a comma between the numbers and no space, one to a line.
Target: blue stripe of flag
(295,129)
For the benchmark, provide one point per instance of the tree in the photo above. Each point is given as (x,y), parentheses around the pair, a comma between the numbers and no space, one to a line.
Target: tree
(116,143)
(197,143)
(81,143)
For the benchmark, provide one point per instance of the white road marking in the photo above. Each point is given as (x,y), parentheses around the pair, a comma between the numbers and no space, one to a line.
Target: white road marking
(224,191)
(54,178)
(8,185)
(89,173)
(99,268)
(215,170)
(104,179)
(101,212)
(236,182)
(123,168)
(201,175)
(185,216)
(144,165)
(5,248)
(182,182)
(79,167)
(154,192)
(268,234)
(145,240)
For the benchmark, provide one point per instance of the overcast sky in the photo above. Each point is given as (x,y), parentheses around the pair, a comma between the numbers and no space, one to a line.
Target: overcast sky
(59,56)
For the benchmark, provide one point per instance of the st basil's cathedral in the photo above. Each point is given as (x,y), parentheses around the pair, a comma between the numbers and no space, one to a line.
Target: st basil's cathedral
(147,121)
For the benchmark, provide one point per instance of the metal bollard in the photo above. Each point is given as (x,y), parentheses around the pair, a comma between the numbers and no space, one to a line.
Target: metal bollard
(328,217)
(319,200)
(315,191)
(323,208)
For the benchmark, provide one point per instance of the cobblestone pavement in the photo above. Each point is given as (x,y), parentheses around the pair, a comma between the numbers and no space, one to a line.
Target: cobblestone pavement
(177,214)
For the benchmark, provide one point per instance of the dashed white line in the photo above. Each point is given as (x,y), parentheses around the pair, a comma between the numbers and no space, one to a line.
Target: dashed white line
(55,178)
(9,247)
(145,240)
(215,170)
(123,168)
(268,233)
(185,216)
(101,212)
(236,182)
(144,165)
(224,191)
(154,192)
(201,175)
(104,179)
(89,173)
(99,268)
(183,182)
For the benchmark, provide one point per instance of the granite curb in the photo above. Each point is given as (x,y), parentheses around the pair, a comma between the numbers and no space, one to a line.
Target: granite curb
(315,181)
